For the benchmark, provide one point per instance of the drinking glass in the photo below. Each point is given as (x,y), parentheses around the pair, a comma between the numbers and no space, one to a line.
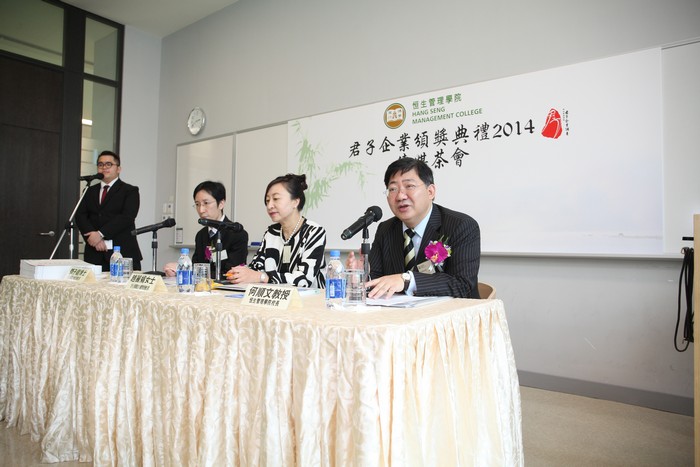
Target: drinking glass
(355,291)
(128,268)
(202,277)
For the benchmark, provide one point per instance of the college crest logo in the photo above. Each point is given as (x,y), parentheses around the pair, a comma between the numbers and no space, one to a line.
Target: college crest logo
(394,115)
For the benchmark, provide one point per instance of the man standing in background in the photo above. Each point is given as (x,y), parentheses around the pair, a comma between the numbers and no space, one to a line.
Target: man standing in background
(107,215)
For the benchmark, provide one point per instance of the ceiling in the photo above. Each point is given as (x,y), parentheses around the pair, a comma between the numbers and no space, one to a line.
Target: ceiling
(157,17)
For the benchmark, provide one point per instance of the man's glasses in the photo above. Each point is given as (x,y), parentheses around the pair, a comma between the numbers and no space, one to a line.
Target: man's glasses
(408,189)
(206,204)
(106,165)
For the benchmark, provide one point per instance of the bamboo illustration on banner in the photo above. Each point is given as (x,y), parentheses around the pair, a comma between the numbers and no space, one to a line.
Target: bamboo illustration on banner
(320,184)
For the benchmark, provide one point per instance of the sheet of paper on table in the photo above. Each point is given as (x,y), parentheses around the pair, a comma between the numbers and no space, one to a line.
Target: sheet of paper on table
(405,301)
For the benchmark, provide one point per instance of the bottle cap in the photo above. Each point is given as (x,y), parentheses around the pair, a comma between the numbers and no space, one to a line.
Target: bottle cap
(335,253)
(185,251)
(117,248)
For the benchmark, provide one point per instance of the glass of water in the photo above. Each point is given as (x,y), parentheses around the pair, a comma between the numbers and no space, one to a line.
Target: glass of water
(355,289)
(128,268)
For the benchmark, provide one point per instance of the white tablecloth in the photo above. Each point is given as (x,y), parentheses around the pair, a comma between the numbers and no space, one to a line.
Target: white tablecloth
(95,372)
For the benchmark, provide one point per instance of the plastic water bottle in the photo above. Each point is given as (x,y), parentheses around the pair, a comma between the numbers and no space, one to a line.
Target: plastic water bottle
(116,266)
(184,272)
(335,282)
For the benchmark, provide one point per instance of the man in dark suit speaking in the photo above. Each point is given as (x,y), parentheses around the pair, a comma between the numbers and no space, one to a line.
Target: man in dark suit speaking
(410,250)
(107,215)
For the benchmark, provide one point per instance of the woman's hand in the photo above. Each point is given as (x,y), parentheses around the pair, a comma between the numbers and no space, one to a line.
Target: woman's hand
(243,275)
(170,269)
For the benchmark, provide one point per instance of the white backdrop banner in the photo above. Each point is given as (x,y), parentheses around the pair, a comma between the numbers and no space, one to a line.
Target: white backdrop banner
(566,160)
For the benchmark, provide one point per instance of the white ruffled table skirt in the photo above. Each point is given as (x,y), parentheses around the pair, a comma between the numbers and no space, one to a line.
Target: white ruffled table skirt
(97,373)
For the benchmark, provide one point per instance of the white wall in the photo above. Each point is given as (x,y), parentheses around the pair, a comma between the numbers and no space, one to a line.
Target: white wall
(607,321)
(260,62)
(139,130)
(681,152)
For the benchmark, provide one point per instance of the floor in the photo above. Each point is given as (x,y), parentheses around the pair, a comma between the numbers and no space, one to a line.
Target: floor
(561,429)
(558,430)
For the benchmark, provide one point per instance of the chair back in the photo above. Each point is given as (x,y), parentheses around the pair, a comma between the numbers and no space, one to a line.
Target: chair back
(486,290)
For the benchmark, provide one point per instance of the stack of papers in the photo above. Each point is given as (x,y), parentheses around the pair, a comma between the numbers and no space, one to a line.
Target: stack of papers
(53,269)
(405,301)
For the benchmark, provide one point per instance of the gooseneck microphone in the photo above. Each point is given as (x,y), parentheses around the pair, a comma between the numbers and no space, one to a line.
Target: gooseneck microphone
(89,178)
(169,222)
(219,225)
(372,214)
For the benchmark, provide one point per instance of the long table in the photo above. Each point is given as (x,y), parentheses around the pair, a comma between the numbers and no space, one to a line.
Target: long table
(98,373)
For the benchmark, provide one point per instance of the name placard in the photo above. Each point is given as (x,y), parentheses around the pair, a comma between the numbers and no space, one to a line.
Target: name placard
(272,296)
(146,283)
(80,274)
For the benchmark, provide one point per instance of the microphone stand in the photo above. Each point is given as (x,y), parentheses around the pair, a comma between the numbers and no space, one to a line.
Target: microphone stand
(69,226)
(219,247)
(364,251)
(154,247)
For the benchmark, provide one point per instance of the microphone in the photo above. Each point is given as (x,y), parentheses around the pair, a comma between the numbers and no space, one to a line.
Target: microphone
(89,178)
(372,214)
(235,226)
(169,222)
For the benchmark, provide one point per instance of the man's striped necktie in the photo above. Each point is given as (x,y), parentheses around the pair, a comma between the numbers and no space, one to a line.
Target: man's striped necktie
(408,253)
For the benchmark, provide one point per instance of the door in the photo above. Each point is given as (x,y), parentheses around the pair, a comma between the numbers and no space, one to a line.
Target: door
(31,110)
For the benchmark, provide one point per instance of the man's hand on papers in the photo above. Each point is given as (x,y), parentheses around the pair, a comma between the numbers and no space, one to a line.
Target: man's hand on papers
(385,286)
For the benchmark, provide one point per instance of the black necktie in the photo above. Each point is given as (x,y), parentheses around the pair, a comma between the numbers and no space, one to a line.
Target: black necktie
(408,253)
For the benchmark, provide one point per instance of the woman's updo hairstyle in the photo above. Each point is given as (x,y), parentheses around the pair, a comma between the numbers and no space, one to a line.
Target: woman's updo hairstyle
(295,185)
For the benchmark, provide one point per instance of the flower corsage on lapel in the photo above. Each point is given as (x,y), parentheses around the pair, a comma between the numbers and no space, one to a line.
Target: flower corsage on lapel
(207,253)
(437,251)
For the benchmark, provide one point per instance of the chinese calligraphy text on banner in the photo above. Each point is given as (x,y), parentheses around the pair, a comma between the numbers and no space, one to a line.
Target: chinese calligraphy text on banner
(566,160)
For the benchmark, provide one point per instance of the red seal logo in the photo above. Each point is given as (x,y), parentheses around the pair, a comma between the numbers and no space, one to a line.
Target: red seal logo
(552,127)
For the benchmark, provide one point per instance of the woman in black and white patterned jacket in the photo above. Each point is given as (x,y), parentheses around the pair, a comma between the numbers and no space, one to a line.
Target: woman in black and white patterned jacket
(292,249)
